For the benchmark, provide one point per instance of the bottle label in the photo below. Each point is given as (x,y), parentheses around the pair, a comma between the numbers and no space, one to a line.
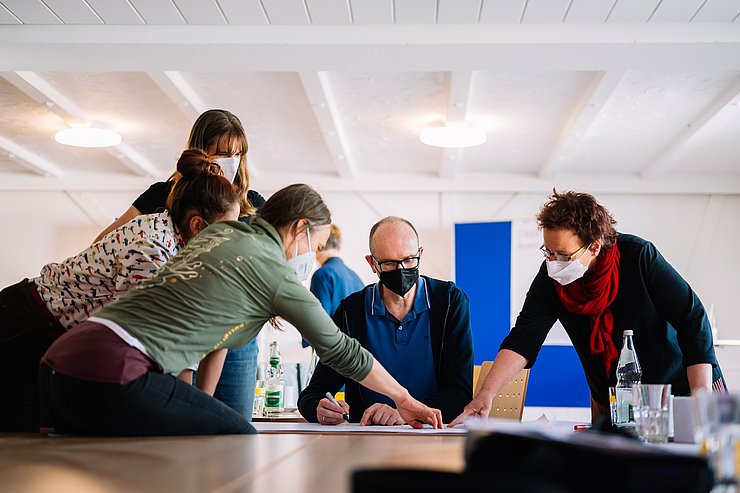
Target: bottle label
(274,397)
(274,361)
(624,408)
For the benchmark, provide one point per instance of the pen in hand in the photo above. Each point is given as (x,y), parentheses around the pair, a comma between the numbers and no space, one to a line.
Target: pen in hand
(345,416)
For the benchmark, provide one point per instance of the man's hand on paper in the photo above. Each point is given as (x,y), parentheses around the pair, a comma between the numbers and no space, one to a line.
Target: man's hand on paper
(328,414)
(381,414)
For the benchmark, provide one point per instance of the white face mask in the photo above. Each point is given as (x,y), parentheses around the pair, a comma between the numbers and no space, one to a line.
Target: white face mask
(229,165)
(568,271)
(303,263)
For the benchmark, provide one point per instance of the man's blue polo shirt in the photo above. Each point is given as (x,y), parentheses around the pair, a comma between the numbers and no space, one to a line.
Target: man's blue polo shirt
(402,347)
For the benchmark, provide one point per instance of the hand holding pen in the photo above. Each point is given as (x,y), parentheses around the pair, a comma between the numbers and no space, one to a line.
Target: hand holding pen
(331,412)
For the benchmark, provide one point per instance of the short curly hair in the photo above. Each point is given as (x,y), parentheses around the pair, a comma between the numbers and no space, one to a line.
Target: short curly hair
(581,213)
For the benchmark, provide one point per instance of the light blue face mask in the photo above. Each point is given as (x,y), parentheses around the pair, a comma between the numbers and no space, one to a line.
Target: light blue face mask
(229,165)
(303,264)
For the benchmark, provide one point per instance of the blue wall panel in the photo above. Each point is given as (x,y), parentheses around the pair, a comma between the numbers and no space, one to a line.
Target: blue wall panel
(483,270)
(557,379)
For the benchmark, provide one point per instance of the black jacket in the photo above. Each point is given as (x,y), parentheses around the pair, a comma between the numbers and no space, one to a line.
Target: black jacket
(452,349)
(671,329)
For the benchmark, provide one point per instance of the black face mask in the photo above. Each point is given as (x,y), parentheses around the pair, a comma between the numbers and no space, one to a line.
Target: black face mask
(400,280)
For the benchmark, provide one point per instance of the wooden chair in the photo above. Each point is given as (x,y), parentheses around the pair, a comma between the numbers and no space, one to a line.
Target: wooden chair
(476,374)
(509,402)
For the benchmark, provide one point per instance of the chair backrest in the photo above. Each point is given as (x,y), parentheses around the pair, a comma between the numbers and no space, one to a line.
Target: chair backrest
(509,402)
(476,374)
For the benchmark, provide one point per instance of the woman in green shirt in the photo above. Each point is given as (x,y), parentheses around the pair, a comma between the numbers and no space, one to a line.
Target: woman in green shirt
(114,374)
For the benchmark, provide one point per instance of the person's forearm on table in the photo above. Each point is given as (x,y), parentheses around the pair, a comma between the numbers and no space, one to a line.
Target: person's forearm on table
(699,376)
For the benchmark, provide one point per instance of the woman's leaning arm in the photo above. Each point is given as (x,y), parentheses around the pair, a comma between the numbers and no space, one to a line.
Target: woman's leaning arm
(700,377)
(505,367)
(130,213)
(209,371)
(340,352)
(410,409)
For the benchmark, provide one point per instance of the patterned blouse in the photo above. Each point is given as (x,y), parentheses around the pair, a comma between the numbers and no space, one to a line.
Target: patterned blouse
(73,290)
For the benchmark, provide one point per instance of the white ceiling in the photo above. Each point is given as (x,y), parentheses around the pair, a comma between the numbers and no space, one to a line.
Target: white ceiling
(607,95)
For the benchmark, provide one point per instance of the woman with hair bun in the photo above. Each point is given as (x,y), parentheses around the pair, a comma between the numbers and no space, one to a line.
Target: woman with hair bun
(220,134)
(37,311)
(114,374)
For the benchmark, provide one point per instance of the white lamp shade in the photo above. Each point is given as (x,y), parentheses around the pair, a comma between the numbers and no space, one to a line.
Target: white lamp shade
(87,137)
(453,136)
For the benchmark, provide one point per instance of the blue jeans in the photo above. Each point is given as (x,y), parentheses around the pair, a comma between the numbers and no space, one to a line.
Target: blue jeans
(238,378)
(153,404)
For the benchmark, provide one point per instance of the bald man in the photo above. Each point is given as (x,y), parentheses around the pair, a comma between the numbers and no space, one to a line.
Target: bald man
(416,326)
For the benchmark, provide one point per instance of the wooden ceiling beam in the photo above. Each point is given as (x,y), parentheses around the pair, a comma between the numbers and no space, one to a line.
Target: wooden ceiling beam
(580,119)
(665,159)
(37,88)
(30,160)
(295,48)
(326,112)
(459,86)
(182,94)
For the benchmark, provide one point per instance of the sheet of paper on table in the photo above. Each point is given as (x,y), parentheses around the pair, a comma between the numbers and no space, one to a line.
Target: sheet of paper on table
(347,428)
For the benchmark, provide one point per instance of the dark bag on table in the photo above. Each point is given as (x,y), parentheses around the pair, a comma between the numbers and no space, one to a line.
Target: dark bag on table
(587,462)
(530,462)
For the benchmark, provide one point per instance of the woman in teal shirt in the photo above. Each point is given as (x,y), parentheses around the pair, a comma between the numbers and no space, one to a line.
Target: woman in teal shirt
(114,374)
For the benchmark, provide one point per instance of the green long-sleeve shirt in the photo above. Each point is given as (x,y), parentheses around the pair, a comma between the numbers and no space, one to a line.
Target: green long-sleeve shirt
(219,291)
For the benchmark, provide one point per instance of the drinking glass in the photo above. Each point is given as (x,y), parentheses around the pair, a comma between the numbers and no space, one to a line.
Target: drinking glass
(651,408)
(258,409)
(716,429)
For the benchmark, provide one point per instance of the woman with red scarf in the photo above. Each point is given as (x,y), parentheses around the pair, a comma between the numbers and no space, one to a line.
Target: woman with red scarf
(599,283)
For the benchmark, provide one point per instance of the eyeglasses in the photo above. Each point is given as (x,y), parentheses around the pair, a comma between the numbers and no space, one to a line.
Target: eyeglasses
(561,257)
(221,154)
(406,263)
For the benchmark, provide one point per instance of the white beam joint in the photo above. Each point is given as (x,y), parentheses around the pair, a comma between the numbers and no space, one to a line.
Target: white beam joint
(663,162)
(174,85)
(44,93)
(134,160)
(458,85)
(187,100)
(91,207)
(599,91)
(326,112)
(30,160)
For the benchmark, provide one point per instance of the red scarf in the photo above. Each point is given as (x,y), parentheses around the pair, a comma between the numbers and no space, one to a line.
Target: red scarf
(592,295)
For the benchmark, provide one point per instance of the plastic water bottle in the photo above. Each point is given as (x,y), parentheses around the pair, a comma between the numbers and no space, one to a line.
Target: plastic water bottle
(629,373)
(275,385)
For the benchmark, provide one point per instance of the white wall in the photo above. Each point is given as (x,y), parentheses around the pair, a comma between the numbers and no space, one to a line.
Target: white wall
(698,234)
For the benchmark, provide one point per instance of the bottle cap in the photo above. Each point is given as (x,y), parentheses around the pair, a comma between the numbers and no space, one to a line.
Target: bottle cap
(628,332)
